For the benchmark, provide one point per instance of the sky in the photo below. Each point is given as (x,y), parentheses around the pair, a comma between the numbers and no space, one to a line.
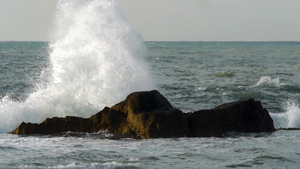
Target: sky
(170,20)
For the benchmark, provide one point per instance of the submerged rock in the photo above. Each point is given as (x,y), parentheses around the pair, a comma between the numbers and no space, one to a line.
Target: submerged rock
(150,115)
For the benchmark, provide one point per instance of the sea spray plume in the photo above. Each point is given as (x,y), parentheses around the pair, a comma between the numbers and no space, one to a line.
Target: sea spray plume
(293,114)
(96,60)
(290,118)
(94,45)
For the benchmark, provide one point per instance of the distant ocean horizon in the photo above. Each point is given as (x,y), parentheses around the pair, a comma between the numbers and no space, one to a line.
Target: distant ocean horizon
(175,41)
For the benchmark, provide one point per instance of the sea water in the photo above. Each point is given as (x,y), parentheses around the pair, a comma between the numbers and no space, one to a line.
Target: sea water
(277,150)
(201,75)
(96,59)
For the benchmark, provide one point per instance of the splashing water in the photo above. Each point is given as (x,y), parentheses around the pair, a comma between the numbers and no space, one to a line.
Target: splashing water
(96,60)
(290,118)
(293,114)
(268,81)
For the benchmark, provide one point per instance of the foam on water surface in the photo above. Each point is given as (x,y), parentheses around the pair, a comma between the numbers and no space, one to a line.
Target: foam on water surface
(268,81)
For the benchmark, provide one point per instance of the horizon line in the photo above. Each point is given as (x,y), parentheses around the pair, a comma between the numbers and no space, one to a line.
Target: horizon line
(175,41)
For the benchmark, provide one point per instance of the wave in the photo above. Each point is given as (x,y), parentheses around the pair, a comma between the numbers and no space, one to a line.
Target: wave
(96,60)
(290,117)
(268,81)
(293,114)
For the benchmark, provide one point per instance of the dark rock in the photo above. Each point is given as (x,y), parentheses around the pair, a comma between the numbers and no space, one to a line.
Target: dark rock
(150,115)
(55,125)
(108,119)
(241,116)
(290,128)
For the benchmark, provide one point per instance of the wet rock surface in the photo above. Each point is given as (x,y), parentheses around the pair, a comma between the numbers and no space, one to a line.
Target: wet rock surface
(149,114)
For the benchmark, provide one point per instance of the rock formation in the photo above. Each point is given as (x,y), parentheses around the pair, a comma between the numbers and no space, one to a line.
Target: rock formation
(242,116)
(150,115)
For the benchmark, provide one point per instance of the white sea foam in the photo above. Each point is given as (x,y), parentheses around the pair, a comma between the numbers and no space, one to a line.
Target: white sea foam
(96,60)
(268,81)
(290,118)
(293,114)
(201,89)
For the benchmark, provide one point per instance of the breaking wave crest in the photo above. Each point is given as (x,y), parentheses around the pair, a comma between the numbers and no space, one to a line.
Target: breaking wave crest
(290,118)
(268,81)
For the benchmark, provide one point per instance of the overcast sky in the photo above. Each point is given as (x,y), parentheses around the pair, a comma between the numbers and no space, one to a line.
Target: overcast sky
(170,20)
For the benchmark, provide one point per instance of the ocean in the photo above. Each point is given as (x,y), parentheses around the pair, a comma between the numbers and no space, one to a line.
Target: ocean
(95,59)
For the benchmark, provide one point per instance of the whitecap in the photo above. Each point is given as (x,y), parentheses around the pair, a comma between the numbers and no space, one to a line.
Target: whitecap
(290,118)
(201,89)
(268,81)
